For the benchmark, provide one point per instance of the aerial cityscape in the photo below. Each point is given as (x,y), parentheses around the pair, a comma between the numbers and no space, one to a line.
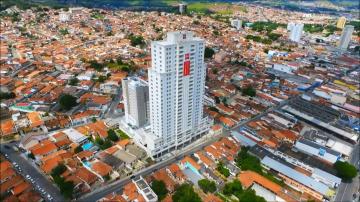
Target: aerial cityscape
(179,101)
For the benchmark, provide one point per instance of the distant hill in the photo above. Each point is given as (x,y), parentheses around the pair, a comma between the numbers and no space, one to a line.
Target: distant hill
(336,5)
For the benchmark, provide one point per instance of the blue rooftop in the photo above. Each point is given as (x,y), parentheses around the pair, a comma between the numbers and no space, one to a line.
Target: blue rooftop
(243,139)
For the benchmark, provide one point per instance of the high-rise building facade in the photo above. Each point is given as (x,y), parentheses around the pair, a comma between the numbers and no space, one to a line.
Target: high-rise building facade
(236,23)
(341,22)
(346,37)
(136,101)
(176,86)
(295,31)
(182,8)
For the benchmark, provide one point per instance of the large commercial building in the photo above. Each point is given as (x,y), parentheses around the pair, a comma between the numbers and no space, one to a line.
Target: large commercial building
(176,85)
(341,22)
(298,180)
(295,31)
(346,37)
(136,101)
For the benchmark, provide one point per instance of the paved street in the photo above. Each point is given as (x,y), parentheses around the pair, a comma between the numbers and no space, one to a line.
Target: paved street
(110,112)
(346,190)
(28,169)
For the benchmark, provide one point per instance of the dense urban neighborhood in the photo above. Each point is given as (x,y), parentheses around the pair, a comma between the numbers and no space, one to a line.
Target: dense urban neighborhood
(211,102)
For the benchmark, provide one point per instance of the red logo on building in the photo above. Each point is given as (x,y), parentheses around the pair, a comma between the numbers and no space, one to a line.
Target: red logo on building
(186,68)
(187,56)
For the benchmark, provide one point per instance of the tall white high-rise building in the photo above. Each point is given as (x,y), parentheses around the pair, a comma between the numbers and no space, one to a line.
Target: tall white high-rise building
(176,86)
(182,8)
(64,16)
(236,23)
(136,101)
(295,31)
(346,37)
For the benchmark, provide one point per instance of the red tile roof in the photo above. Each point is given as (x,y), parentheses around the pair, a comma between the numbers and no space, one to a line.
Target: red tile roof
(18,189)
(101,168)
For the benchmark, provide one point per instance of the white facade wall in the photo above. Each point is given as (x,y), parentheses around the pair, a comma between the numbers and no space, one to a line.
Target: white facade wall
(136,101)
(295,31)
(236,23)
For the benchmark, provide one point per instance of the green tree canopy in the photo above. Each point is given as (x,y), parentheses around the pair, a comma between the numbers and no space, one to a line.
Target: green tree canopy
(345,170)
(233,187)
(112,135)
(249,195)
(103,144)
(96,65)
(136,40)
(58,170)
(222,169)
(66,187)
(249,91)
(209,52)
(67,101)
(7,95)
(31,155)
(246,161)
(74,81)
(78,149)
(185,193)
(207,185)
(265,26)
(158,186)
(101,79)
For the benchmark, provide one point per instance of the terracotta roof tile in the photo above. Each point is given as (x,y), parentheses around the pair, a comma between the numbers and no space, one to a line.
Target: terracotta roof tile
(247,178)
(123,143)
(85,175)
(84,154)
(191,161)
(212,198)
(18,189)
(5,165)
(163,176)
(7,127)
(30,196)
(101,168)
(43,148)
(35,119)
(7,173)
(10,183)
(205,159)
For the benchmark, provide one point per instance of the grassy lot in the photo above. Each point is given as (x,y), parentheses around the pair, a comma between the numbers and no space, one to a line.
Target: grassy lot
(217,8)
(122,134)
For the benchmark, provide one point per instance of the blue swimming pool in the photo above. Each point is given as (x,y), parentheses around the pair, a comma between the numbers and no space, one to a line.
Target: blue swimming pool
(87,146)
(87,164)
(192,168)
